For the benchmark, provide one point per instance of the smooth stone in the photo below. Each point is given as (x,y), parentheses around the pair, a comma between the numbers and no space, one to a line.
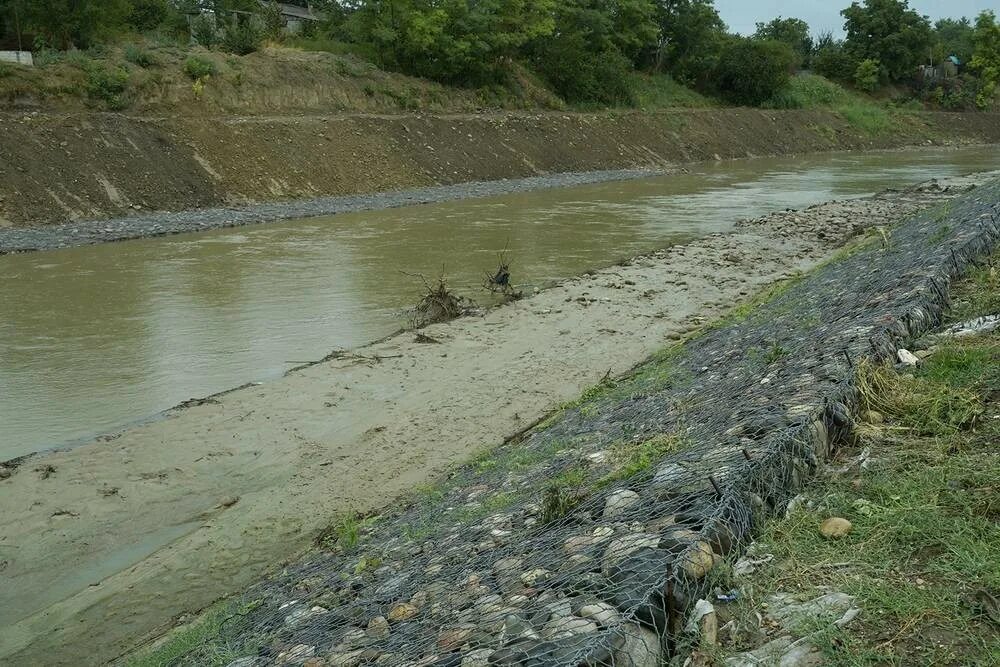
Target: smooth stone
(835,527)
(642,648)
(378,628)
(402,611)
(697,561)
(622,547)
(619,502)
(602,613)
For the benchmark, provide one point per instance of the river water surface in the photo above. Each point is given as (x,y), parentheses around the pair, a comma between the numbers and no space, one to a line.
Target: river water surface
(95,337)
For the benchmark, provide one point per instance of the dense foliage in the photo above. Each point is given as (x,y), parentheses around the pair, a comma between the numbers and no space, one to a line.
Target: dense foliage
(587,51)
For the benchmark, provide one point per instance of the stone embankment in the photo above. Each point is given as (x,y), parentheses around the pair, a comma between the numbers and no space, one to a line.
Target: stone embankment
(587,540)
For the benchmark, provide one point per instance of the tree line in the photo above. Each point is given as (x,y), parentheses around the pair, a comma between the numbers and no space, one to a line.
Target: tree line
(585,50)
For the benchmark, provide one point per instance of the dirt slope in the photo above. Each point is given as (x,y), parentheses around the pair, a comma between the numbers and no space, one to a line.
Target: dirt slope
(58,168)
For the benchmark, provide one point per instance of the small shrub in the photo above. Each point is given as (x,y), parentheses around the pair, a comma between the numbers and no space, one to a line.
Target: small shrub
(199,68)
(866,76)
(108,86)
(139,56)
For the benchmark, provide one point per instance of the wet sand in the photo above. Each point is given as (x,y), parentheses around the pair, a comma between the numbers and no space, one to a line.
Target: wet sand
(116,538)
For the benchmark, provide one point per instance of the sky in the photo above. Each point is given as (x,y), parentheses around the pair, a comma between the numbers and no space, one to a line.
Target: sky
(822,15)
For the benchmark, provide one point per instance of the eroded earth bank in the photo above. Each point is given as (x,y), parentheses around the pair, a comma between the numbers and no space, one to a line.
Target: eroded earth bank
(127,533)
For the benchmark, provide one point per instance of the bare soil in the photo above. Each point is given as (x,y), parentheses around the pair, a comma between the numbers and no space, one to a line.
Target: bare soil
(129,532)
(57,168)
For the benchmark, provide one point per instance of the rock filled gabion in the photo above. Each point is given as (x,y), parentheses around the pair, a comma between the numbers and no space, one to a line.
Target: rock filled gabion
(586,541)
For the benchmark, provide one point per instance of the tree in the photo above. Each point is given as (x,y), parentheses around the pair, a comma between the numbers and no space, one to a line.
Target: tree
(691,38)
(583,59)
(464,42)
(866,76)
(831,59)
(81,23)
(986,58)
(751,71)
(146,15)
(793,32)
(890,32)
(954,37)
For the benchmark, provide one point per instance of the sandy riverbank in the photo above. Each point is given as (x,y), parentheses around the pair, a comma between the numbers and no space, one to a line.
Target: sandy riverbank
(118,537)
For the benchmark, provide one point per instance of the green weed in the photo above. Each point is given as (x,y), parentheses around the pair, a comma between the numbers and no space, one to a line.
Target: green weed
(139,56)
(198,68)
(197,637)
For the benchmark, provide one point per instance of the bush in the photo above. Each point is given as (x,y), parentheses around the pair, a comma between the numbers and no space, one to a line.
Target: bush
(752,71)
(139,56)
(204,31)
(832,60)
(244,38)
(108,86)
(866,76)
(199,68)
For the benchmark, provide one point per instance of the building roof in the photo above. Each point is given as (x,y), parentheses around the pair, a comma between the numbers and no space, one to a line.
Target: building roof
(297,12)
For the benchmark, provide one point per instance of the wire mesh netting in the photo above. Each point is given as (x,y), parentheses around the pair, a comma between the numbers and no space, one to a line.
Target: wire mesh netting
(585,541)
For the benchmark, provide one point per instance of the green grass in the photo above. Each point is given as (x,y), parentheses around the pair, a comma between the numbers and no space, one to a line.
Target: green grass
(346,533)
(811,91)
(193,637)
(660,91)
(925,542)
(630,459)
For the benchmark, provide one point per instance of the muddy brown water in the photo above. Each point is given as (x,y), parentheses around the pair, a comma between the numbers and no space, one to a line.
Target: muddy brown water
(96,337)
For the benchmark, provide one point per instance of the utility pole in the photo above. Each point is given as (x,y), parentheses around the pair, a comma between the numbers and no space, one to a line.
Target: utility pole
(17,27)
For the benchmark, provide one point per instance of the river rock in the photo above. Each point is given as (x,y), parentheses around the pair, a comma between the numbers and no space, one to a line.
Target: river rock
(568,626)
(619,502)
(696,562)
(403,611)
(296,655)
(601,613)
(835,527)
(453,637)
(378,628)
(620,548)
(345,659)
(477,658)
(532,577)
(641,648)
(906,357)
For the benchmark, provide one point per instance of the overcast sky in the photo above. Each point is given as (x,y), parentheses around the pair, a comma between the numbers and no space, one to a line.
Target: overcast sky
(742,15)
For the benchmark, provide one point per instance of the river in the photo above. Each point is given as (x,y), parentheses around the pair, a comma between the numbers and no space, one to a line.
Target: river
(93,338)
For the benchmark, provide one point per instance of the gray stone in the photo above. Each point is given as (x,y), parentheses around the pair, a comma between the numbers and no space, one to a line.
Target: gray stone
(619,502)
(620,548)
(602,613)
(641,648)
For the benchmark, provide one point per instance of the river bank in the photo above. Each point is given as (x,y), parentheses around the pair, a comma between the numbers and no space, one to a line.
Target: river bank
(86,167)
(130,531)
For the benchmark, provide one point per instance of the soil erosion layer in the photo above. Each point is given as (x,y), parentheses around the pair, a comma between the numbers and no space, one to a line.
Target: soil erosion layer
(70,167)
(117,537)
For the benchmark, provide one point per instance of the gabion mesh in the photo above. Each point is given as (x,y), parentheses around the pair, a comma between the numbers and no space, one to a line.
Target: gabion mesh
(584,541)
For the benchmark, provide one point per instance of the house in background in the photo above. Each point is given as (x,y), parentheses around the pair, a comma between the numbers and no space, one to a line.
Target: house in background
(297,16)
